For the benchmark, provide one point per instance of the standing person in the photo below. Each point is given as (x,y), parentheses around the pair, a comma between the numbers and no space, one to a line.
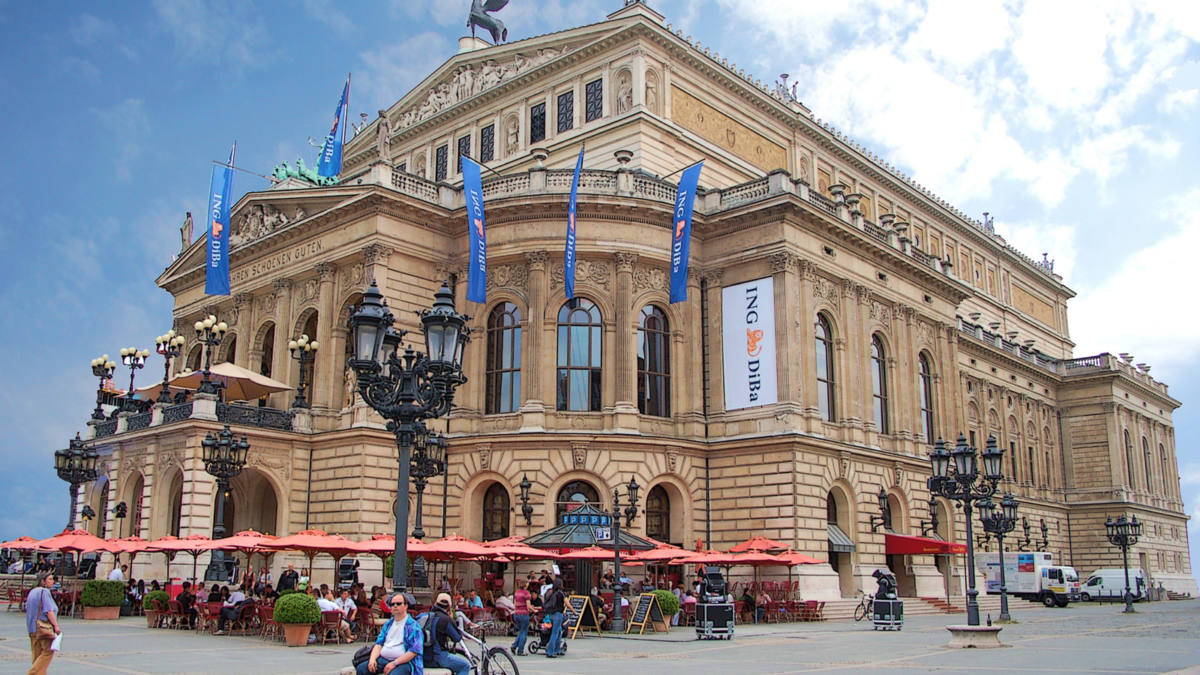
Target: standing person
(445,636)
(41,618)
(118,572)
(520,617)
(555,603)
(399,645)
(289,579)
(302,582)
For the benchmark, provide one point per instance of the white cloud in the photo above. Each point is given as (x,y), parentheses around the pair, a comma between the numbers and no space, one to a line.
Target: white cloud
(1146,288)
(87,30)
(1058,241)
(1178,101)
(392,70)
(128,127)
(327,13)
(239,39)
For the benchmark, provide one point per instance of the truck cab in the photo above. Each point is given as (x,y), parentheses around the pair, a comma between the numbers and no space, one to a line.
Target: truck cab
(1059,585)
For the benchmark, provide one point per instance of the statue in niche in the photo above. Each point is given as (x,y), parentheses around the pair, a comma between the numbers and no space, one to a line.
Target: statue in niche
(420,168)
(512,137)
(349,390)
(185,231)
(624,93)
(383,136)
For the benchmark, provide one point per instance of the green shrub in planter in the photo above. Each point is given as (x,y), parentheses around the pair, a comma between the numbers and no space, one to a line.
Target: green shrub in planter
(297,608)
(155,601)
(102,593)
(287,591)
(667,602)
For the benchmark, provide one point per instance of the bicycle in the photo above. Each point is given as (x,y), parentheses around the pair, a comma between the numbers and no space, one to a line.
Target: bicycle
(865,607)
(491,660)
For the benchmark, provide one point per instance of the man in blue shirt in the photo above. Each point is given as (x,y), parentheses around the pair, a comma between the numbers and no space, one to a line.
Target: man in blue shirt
(398,649)
(445,636)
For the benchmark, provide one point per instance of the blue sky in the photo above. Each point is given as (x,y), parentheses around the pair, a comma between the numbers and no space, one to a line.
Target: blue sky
(1074,124)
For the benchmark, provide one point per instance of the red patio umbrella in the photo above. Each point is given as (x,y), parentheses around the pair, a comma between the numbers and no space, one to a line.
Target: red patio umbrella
(708,557)
(510,549)
(194,544)
(21,544)
(76,541)
(248,542)
(759,544)
(384,545)
(132,545)
(456,547)
(312,542)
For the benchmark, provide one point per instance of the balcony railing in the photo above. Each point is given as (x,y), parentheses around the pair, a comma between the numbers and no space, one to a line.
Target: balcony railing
(177,413)
(139,421)
(106,428)
(254,416)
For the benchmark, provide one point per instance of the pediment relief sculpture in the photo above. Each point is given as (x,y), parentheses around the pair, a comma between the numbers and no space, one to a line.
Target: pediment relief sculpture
(259,220)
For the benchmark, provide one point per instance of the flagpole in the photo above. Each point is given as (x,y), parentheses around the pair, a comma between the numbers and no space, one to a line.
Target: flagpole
(346,121)
(238,168)
(680,170)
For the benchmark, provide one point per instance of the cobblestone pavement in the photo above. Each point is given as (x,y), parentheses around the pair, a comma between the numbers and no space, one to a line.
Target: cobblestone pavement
(1085,638)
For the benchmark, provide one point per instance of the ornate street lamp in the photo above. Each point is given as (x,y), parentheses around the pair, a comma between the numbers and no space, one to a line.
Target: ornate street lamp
(224,458)
(999,523)
(135,359)
(169,346)
(405,389)
(76,465)
(1023,544)
(120,512)
(1045,535)
(428,460)
(209,333)
(884,519)
(103,369)
(929,527)
(631,511)
(526,509)
(1124,532)
(966,485)
(304,351)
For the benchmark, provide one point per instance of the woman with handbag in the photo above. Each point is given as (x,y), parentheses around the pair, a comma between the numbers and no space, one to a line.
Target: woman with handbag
(41,618)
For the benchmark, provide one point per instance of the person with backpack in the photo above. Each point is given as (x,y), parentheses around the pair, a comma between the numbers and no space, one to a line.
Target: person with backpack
(440,637)
(555,603)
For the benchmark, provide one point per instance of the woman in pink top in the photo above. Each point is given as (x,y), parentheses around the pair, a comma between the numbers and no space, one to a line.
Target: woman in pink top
(521,619)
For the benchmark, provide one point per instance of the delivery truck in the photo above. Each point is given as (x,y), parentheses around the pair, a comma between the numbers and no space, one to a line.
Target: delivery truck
(1031,575)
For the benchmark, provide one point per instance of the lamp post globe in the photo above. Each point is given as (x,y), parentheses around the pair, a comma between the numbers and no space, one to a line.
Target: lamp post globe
(224,458)
(209,332)
(134,359)
(955,475)
(406,388)
(303,350)
(1124,532)
(169,346)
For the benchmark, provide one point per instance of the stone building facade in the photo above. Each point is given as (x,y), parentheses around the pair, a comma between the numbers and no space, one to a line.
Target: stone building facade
(897,319)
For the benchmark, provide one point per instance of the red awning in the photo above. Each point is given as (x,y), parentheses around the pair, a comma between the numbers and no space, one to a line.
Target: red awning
(903,544)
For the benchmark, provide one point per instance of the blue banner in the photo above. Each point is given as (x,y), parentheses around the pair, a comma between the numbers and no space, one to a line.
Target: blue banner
(681,238)
(216,277)
(569,254)
(330,162)
(477,227)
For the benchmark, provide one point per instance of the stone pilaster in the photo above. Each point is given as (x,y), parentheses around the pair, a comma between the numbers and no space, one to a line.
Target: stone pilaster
(325,393)
(244,306)
(281,363)
(625,401)
(535,375)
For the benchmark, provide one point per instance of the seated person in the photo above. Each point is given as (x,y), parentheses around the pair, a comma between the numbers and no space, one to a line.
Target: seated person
(748,601)
(445,636)
(505,602)
(347,605)
(230,608)
(473,600)
(598,605)
(187,603)
(327,604)
(400,642)
(269,594)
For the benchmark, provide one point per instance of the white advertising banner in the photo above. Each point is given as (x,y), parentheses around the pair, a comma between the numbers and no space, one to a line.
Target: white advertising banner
(748,338)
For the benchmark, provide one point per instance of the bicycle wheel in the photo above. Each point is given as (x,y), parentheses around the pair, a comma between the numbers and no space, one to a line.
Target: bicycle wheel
(860,612)
(500,661)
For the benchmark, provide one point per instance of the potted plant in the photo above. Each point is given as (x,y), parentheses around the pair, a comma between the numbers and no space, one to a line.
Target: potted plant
(668,603)
(102,599)
(297,612)
(154,604)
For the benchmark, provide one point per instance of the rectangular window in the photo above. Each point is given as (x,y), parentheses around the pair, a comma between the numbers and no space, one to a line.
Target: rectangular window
(443,158)
(464,150)
(593,100)
(487,143)
(537,123)
(566,111)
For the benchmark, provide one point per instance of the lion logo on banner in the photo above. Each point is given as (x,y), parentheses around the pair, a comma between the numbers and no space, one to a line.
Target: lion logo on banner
(753,337)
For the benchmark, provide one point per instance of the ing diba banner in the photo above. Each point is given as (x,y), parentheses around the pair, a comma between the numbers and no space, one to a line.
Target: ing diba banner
(748,343)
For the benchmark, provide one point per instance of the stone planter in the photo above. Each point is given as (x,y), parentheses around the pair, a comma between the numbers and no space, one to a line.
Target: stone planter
(152,618)
(296,634)
(91,613)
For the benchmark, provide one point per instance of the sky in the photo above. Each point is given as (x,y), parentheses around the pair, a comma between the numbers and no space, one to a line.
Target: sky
(1073,123)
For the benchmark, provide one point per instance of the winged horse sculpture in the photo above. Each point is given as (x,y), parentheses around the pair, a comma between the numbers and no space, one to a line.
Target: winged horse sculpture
(479,17)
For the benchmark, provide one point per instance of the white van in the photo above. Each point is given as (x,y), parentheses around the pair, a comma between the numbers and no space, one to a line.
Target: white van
(1109,584)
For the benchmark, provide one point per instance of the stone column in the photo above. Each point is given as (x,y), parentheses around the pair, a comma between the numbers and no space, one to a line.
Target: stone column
(805,324)
(325,393)
(243,306)
(533,371)
(849,363)
(687,384)
(785,268)
(281,363)
(625,400)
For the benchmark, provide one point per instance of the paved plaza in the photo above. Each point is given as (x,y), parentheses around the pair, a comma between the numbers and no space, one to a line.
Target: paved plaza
(1161,637)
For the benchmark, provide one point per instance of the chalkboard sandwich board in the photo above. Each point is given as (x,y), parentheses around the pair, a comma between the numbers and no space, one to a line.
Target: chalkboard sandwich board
(579,615)
(647,613)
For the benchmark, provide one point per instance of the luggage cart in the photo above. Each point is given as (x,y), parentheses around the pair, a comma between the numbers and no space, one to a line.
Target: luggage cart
(714,621)
(888,614)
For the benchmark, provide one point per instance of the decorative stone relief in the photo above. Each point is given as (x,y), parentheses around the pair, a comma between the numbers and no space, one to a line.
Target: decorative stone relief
(283,285)
(324,270)
(352,277)
(257,221)
(623,97)
(823,288)
(881,313)
(924,332)
(897,474)
(844,466)
(471,79)
(579,454)
(375,253)
(266,304)
(783,261)
(649,278)
(804,173)
(168,459)
(280,466)
(672,460)
(507,276)
(484,451)
(588,271)
(308,291)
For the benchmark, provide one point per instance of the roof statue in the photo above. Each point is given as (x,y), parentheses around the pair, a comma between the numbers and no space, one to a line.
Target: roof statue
(283,172)
(185,232)
(479,17)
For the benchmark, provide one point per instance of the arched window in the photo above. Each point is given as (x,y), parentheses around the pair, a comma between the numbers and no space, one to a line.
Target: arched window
(925,380)
(654,363)
(268,358)
(658,514)
(579,344)
(879,388)
(1032,468)
(824,361)
(1146,461)
(495,512)
(139,486)
(1128,460)
(1162,459)
(572,496)
(503,376)
(231,348)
